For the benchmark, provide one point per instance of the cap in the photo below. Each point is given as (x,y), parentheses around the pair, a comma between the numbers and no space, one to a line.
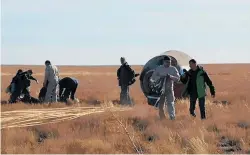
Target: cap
(47,62)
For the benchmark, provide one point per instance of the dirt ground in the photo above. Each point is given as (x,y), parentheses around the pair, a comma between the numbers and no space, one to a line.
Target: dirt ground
(95,125)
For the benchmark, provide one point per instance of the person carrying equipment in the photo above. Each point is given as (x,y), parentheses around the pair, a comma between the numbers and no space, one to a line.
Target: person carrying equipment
(126,77)
(166,75)
(68,86)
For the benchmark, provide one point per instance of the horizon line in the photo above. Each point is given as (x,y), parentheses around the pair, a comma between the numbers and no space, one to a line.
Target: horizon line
(117,64)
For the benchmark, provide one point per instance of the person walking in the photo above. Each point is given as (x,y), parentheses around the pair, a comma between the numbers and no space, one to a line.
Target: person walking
(168,74)
(195,81)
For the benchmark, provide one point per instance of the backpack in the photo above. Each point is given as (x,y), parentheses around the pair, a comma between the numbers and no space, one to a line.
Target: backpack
(42,93)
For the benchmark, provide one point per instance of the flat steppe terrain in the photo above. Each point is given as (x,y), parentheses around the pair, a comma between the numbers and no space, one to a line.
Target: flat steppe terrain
(98,125)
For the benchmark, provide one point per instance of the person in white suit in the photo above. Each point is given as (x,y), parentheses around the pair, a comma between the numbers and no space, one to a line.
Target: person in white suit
(170,75)
(51,82)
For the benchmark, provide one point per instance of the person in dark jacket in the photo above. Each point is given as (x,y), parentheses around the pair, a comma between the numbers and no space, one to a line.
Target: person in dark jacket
(15,79)
(67,86)
(26,77)
(125,77)
(196,79)
(15,87)
(21,84)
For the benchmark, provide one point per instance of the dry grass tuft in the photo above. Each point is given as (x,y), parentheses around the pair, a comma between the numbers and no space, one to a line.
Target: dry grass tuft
(88,146)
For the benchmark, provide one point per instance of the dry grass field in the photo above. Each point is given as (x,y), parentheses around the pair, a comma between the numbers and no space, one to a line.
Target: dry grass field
(97,125)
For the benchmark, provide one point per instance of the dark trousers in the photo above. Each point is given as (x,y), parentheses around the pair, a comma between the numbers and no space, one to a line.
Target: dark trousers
(72,95)
(68,93)
(26,91)
(124,95)
(15,95)
(17,92)
(201,101)
(30,99)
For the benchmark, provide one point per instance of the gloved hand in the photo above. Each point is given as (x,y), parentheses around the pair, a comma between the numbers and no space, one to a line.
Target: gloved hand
(212,91)
(212,94)
(184,70)
(168,76)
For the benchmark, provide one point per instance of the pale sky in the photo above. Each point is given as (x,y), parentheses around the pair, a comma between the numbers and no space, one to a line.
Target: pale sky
(99,32)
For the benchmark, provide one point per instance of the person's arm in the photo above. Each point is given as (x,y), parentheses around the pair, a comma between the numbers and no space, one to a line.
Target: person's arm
(130,69)
(209,83)
(32,78)
(57,73)
(184,78)
(118,73)
(175,76)
(60,87)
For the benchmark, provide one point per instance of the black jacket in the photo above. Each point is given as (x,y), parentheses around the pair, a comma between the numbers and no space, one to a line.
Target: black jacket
(192,86)
(68,83)
(17,81)
(25,77)
(125,75)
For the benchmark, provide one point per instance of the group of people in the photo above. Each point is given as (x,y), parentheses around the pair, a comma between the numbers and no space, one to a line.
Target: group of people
(54,89)
(20,85)
(195,81)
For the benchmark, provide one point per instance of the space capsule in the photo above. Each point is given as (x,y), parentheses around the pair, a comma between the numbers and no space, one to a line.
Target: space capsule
(179,60)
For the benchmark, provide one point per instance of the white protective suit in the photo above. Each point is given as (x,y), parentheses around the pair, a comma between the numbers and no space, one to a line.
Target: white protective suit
(168,94)
(52,76)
